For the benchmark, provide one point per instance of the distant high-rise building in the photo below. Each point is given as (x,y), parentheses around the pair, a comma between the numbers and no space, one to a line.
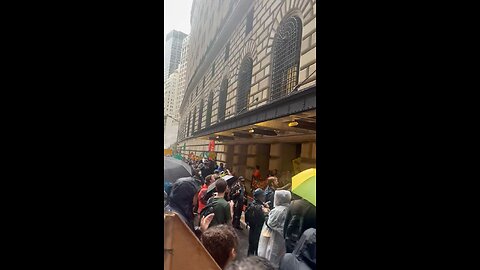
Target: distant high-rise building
(173,50)
(174,89)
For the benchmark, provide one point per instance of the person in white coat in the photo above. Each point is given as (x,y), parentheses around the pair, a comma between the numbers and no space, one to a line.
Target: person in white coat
(272,244)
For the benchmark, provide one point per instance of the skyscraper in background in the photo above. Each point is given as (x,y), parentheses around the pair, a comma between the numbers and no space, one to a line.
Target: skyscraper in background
(173,91)
(173,50)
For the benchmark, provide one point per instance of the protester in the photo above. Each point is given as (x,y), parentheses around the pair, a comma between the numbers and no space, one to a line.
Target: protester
(221,242)
(270,190)
(221,168)
(181,201)
(251,263)
(256,177)
(202,200)
(255,217)
(221,208)
(238,196)
(301,215)
(304,255)
(272,244)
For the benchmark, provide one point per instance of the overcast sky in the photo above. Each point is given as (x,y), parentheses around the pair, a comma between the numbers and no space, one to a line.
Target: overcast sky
(177,16)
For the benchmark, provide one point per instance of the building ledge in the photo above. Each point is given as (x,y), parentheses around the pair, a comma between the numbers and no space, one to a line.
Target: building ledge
(304,100)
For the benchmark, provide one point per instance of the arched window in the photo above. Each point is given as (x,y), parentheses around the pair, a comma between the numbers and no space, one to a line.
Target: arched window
(222,100)
(208,119)
(200,115)
(244,84)
(188,124)
(286,57)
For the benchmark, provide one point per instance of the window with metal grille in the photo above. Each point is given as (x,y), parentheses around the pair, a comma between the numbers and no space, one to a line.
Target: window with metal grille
(222,100)
(227,51)
(249,22)
(194,119)
(188,124)
(200,115)
(286,57)
(208,119)
(244,84)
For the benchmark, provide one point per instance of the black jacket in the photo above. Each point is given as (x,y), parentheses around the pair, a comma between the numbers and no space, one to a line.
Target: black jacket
(258,217)
(269,196)
(304,256)
(299,208)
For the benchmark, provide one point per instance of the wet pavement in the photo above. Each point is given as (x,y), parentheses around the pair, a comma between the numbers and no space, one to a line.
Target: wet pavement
(242,240)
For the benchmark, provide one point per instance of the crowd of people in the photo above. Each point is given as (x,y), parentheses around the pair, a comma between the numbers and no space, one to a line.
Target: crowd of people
(281,226)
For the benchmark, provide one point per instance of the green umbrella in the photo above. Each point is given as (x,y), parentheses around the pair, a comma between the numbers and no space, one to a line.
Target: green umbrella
(304,185)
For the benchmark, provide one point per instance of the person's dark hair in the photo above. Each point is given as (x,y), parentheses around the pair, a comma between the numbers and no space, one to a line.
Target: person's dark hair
(258,167)
(219,241)
(208,179)
(221,185)
(251,263)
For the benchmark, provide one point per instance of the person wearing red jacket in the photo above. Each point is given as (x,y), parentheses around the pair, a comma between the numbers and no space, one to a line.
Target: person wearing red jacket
(202,192)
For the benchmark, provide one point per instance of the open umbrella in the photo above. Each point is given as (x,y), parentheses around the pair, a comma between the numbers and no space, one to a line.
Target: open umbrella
(174,169)
(228,178)
(304,185)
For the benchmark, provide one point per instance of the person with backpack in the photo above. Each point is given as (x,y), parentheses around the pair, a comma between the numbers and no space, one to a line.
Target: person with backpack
(202,199)
(301,216)
(218,205)
(304,255)
(272,243)
(255,216)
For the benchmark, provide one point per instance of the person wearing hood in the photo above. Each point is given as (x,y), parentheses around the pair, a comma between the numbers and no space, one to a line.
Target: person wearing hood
(182,200)
(255,216)
(272,243)
(304,255)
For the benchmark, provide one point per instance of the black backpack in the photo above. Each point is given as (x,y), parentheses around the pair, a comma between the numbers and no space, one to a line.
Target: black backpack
(207,210)
(250,216)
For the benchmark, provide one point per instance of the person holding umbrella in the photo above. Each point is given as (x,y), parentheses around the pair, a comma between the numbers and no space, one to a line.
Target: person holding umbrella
(301,214)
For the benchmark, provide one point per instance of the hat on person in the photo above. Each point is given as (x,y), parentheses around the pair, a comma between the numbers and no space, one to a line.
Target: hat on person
(258,192)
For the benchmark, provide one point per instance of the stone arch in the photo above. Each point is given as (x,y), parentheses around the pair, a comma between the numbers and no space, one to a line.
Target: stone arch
(244,83)
(300,8)
(285,55)
(249,50)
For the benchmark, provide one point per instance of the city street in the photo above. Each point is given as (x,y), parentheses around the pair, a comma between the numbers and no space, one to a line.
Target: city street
(242,241)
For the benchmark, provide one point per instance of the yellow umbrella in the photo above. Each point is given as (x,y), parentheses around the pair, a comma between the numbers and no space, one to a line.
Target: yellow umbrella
(304,185)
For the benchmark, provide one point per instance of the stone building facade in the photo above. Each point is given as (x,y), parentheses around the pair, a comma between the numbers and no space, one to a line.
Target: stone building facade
(243,56)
